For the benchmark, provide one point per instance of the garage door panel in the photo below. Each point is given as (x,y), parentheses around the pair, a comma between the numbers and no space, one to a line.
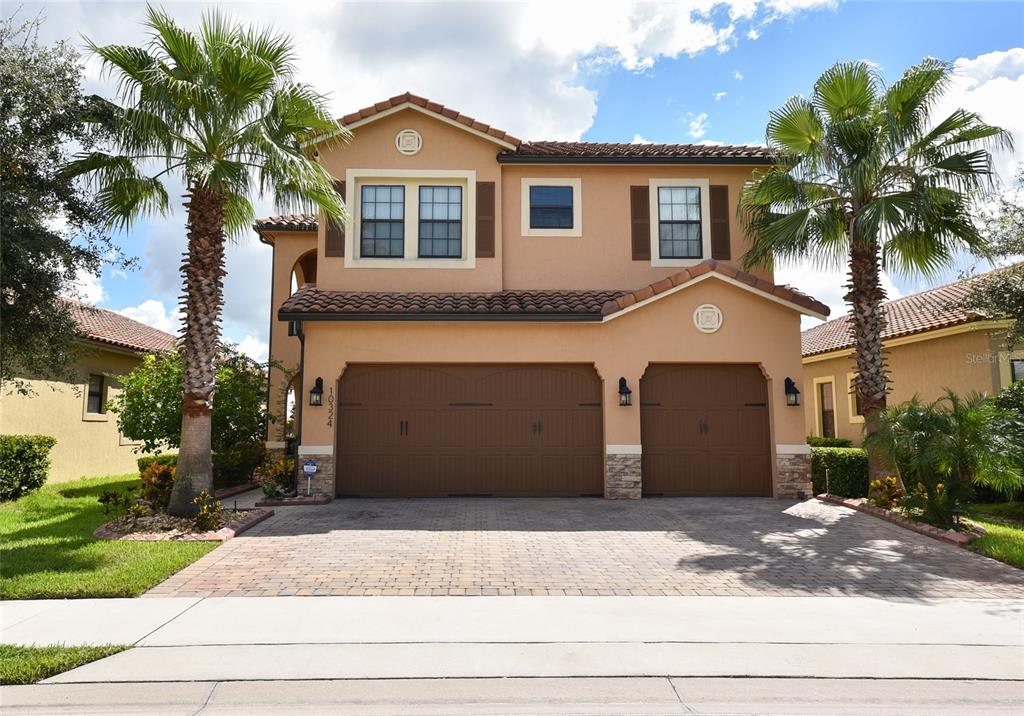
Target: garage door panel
(705,430)
(502,430)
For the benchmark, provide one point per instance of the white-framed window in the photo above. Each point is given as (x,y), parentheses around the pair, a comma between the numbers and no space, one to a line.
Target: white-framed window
(856,413)
(94,406)
(552,207)
(680,221)
(825,406)
(1011,367)
(410,219)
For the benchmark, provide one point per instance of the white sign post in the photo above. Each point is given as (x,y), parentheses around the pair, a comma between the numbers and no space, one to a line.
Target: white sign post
(309,469)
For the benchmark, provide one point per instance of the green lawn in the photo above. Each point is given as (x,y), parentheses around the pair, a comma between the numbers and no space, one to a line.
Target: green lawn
(29,664)
(1004,522)
(47,550)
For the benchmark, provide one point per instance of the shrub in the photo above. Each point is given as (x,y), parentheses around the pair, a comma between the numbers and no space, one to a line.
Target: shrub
(885,493)
(117,503)
(157,483)
(237,464)
(209,513)
(847,471)
(274,474)
(24,464)
(145,462)
(815,441)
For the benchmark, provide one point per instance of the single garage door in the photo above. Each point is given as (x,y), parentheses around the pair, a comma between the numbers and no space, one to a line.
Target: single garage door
(437,430)
(705,430)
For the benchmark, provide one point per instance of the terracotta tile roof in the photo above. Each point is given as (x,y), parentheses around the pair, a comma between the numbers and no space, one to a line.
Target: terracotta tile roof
(925,311)
(435,107)
(596,151)
(287,222)
(310,302)
(103,326)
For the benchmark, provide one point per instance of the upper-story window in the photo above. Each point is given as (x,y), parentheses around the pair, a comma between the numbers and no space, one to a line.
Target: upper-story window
(440,222)
(382,212)
(679,225)
(552,207)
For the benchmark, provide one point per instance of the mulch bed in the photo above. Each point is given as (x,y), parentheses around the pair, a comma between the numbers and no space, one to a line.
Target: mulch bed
(862,505)
(164,528)
(300,500)
(234,490)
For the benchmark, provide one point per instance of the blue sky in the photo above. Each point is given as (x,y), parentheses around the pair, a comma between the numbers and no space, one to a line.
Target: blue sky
(677,72)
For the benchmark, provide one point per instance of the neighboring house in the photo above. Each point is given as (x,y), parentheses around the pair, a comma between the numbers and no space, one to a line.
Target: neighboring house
(88,441)
(930,344)
(501,317)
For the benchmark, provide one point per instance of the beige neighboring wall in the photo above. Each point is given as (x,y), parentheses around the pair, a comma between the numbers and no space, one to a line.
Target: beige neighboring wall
(754,330)
(87,445)
(602,256)
(964,360)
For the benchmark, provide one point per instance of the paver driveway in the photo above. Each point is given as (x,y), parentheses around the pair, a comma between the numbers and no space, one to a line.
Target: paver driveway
(666,546)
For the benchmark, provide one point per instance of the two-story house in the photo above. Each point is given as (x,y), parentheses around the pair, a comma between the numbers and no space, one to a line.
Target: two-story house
(502,317)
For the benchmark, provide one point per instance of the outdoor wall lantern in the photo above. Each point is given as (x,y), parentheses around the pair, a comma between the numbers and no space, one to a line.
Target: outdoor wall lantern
(316,394)
(625,394)
(792,394)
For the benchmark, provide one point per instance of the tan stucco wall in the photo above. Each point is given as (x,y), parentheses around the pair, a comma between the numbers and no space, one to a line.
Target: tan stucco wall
(602,256)
(86,446)
(755,330)
(963,362)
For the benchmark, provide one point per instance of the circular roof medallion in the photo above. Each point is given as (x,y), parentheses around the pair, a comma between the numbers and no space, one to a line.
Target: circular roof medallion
(408,142)
(707,318)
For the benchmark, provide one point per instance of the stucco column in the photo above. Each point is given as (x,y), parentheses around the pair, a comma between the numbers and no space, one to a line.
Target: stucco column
(622,478)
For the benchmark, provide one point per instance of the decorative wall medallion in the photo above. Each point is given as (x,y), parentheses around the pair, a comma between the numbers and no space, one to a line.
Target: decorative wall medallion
(707,317)
(408,142)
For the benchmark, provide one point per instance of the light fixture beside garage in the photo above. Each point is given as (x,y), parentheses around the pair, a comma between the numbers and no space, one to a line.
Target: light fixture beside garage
(625,394)
(792,394)
(316,393)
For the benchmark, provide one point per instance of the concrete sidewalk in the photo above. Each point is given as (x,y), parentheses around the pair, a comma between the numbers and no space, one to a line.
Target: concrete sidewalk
(299,638)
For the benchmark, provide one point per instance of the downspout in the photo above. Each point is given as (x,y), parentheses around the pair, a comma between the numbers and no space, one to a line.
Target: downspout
(270,341)
(300,393)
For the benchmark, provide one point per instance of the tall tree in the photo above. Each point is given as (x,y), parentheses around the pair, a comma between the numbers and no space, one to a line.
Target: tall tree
(864,176)
(48,224)
(219,110)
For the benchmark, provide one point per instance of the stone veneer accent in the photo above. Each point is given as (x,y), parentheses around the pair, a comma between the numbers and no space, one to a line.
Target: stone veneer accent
(792,473)
(622,477)
(323,481)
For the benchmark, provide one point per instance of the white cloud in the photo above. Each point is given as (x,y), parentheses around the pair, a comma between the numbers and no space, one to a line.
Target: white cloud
(153,313)
(87,287)
(253,347)
(719,95)
(637,139)
(737,75)
(698,125)
(753,34)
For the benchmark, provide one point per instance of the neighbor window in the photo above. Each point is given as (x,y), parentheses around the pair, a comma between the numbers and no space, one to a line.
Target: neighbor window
(551,207)
(679,222)
(441,222)
(95,399)
(1016,370)
(382,225)
(827,410)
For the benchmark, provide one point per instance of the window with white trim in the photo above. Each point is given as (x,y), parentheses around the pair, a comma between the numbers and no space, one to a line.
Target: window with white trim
(440,226)
(552,206)
(679,222)
(96,396)
(382,221)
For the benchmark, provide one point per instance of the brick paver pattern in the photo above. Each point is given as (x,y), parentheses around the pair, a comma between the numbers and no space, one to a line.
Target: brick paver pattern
(666,546)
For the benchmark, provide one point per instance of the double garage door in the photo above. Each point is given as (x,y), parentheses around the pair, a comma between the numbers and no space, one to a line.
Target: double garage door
(536,430)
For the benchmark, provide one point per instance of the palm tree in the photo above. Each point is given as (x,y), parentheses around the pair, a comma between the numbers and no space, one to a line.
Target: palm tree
(862,176)
(219,111)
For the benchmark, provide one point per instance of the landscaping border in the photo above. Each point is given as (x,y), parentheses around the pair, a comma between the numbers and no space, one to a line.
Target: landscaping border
(288,501)
(234,490)
(232,529)
(961,539)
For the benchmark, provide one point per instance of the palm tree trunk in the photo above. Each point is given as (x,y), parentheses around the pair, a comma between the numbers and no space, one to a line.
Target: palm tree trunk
(203,272)
(865,297)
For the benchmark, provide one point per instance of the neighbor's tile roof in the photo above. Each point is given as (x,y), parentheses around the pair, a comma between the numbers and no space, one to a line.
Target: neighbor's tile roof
(105,326)
(287,222)
(926,311)
(640,152)
(310,301)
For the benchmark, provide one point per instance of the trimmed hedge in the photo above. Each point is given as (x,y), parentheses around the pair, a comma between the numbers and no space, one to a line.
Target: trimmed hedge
(847,471)
(815,441)
(232,468)
(24,464)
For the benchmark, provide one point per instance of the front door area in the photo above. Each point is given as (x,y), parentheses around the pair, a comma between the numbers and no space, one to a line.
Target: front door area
(705,431)
(424,430)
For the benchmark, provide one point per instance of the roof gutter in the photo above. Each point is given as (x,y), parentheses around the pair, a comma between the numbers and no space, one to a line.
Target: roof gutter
(560,159)
(449,317)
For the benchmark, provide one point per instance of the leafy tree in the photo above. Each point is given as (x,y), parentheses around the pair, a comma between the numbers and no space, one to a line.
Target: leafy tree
(149,405)
(863,176)
(219,110)
(48,223)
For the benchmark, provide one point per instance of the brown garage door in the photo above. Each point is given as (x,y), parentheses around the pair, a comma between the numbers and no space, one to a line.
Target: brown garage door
(433,430)
(705,430)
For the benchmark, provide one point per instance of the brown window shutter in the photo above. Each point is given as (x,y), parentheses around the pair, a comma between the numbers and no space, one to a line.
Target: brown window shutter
(720,248)
(485,220)
(334,242)
(640,219)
